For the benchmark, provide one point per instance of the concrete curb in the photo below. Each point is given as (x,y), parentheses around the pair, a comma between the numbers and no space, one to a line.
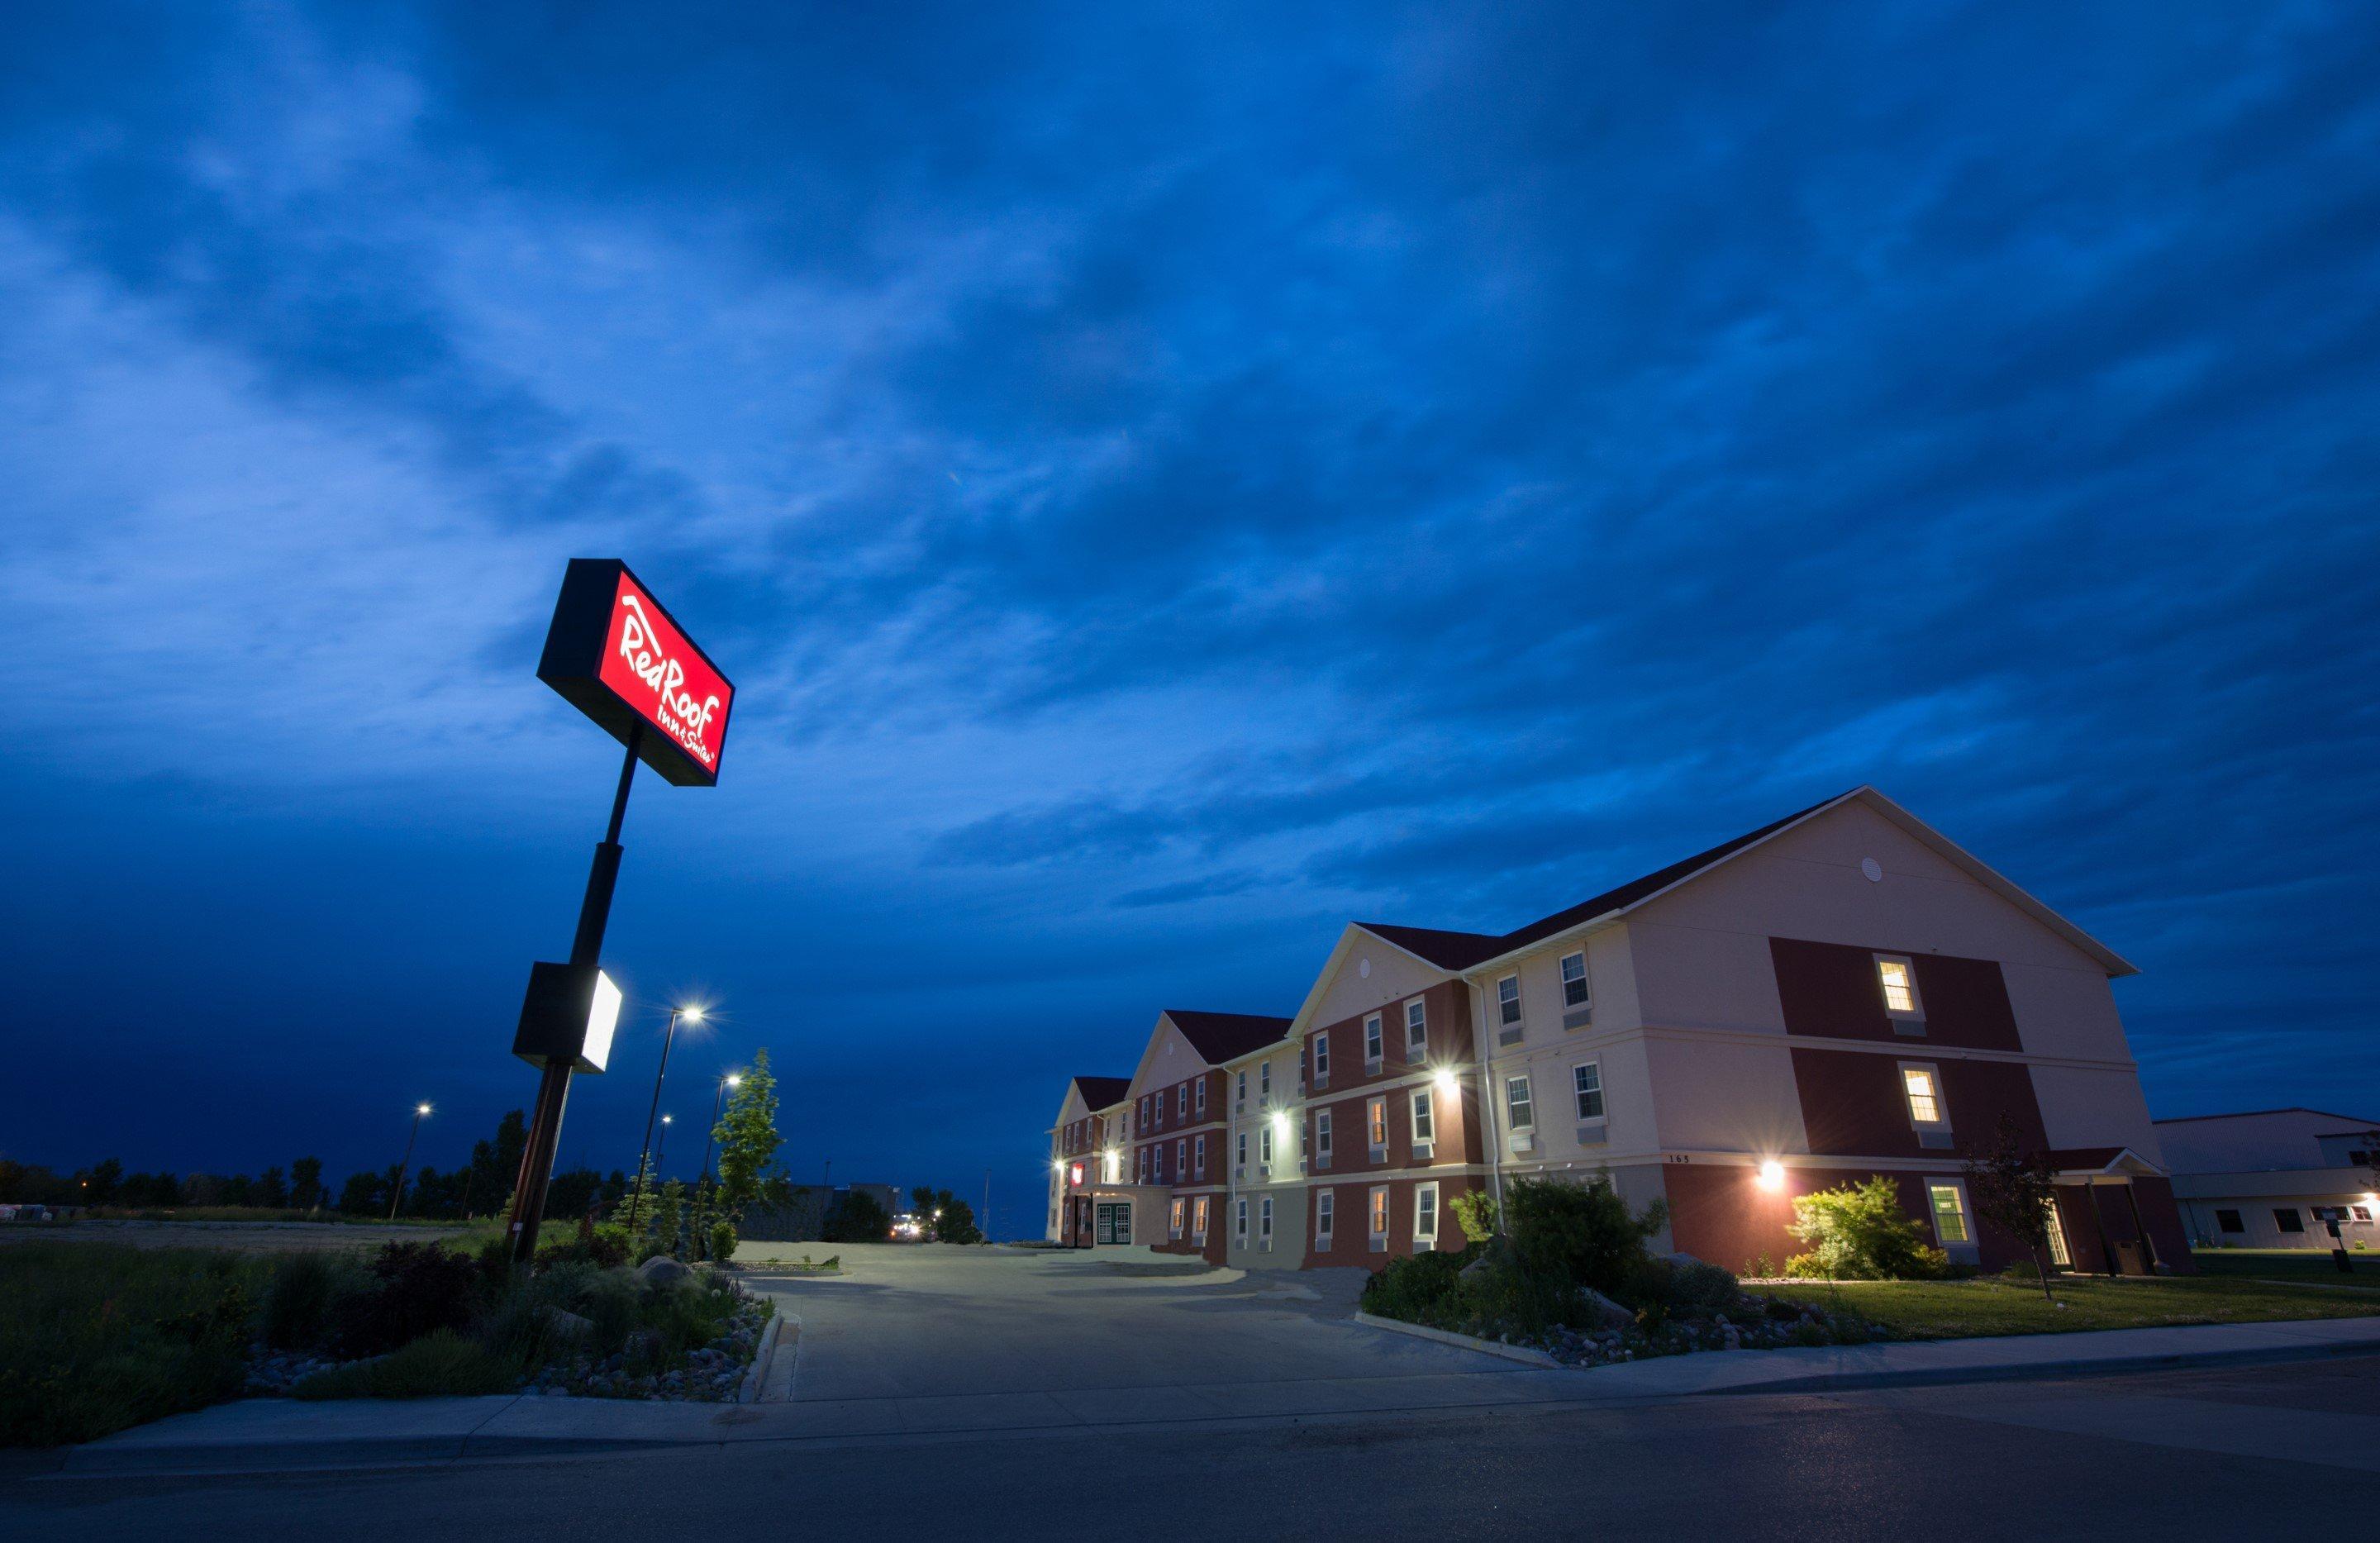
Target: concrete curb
(2042,1371)
(748,1391)
(1522,1353)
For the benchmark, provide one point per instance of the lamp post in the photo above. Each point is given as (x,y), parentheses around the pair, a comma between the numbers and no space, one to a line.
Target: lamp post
(636,1188)
(732,1079)
(397,1198)
(660,1144)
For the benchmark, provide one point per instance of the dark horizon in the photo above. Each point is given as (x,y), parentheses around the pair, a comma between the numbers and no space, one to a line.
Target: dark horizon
(1164,487)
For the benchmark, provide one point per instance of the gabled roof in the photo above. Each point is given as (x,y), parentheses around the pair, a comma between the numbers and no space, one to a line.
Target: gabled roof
(2259,1113)
(1102,1093)
(2102,1159)
(1457,952)
(1221,1036)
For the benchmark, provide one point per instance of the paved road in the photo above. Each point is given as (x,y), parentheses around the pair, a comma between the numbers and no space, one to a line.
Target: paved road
(2176,1454)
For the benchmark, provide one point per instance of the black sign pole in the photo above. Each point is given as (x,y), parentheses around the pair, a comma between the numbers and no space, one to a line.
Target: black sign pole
(554,1085)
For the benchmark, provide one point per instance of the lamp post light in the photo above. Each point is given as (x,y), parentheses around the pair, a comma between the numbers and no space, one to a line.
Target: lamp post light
(659,1144)
(397,1198)
(732,1079)
(692,1014)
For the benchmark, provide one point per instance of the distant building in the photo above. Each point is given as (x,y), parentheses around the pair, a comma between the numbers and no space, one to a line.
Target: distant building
(803,1217)
(2270,1178)
(1840,994)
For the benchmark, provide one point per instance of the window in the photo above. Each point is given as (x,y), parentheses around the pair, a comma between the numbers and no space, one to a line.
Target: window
(1425,1217)
(1322,1058)
(1573,974)
(1425,1118)
(2360,1213)
(1519,1113)
(1264,1222)
(1243,1088)
(1924,1095)
(2059,1255)
(1202,1098)
(1586,1086)
(1157,1165)
(2229,1220)
(1198,1219)
(1264,1143)
(1949,1207)
(2288,1219)
(1898,980)
(1322,1138)
(1372,1042)
(1143,1110)
(1243,1159)
(1264,1079)
(1323,1210)
(1507,1001)
(1177,1218)
(1140,1165)
(1380,1217)
(1417,1029)
(1240,1223)
(1181,1101)
(1181,1152)
(1375,1117)
(1111,1167)
(1200,1152)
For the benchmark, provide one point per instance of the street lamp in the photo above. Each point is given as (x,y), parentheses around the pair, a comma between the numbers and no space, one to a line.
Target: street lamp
(692,1014)
(394,1200)
(660,1144)
(732,1079)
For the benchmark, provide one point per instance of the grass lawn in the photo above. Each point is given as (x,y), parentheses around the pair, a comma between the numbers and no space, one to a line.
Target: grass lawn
(1958,1310)
(2289,1264)
(96,1337)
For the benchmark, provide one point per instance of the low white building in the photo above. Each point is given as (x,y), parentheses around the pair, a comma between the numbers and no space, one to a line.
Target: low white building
(2273,1178)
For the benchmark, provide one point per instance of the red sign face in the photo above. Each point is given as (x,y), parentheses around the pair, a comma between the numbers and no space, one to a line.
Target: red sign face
(649,664)
(1078,1175)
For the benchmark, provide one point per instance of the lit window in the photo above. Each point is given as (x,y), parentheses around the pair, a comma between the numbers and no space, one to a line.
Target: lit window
(2057,1232)
(1177,1218)
(1424,1216)
(1507,1001)
(1587,1086)
(1321,1056)
(1380,1211)
(1372,1039)
(1521,1115)
(1416,1030)
(1573,974)
(1425,1118)
(1323,1217)
(1240,1223)
(1950,1214)
(1322,1135)
(1111,1167)
(1924,1099)
(1899,986)
(1377,1116)
(1198,1219)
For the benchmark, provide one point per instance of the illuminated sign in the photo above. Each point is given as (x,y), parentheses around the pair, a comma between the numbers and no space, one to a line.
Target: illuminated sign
(569,1016)
(1078,1174)
(616,655)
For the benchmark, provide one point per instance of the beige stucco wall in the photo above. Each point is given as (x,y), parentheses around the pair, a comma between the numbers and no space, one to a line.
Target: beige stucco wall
(1394,975)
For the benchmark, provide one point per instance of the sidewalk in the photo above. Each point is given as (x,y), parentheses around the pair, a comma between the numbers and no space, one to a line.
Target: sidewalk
(273,1435)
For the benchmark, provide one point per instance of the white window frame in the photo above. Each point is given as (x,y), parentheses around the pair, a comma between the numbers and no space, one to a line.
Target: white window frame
(1416,1030)
(1940,1123)
(1520,1113)
(1140,1165)
(1958,1187)
(1181,1160)
(1376,1217)
(1242,1096)
(1175,1217)
(1243,1161)
(1198,1153)
(1264,1224)
(1264,1143)
(1326,1217)
(1585,987)
(1376,1124)
(1239,1222)
(1322,1138)
(1905,1020)
(1579,1095)
(1322,1058)
(1181,1101)
(1198,1219)
(1263,1082)
(1422,1110)
(1111,1166)
(2060,1254)
(1508,1002)
(1375,1043)
(1426,1205)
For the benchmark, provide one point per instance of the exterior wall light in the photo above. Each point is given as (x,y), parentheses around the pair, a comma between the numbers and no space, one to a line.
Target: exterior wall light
(1445,1079)
(1772,1174)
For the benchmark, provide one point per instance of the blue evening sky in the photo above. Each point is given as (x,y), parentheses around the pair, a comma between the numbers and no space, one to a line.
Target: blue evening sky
(1167,480)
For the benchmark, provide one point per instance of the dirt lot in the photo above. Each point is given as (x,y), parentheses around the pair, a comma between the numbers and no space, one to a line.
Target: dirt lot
(256,1237)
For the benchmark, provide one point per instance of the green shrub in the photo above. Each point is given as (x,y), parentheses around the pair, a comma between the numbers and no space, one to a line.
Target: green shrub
(1474,1212)
(418,1289)
(722,1240)
(1421,1289)
(303,1298)
(603,1245)
(1578,1234)
(440,1364)
(1860,1233)
(1685,1287)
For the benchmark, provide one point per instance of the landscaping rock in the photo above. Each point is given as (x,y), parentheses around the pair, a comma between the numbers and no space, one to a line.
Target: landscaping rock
(1609,1313)
(568,1327)
(662,1271)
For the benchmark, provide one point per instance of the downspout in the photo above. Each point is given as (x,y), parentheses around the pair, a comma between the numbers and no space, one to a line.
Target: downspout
(1489,1134)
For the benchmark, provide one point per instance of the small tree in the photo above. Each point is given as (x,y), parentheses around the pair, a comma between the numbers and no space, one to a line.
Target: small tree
(670,1217)
(2011,1189)
(856,1218)
(747,1134)
(1474,1212)
(1859,1232)
(306,1183)
(636,1207)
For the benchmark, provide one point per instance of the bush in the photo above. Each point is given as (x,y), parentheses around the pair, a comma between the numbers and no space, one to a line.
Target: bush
(1421,1289)
(1474,1212)
(722,1240)
(1860,1233)
(604,1247)
(439,1363)
(304,1297)
(418,1289)
(1573,1234)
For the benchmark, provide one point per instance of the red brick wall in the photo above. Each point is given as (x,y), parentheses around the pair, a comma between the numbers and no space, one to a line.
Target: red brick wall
(1852,1103)
(1830,989)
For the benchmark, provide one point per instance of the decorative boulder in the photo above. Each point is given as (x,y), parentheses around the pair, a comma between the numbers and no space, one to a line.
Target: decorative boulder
(662,1271)
(568,1327)
(1610,1314)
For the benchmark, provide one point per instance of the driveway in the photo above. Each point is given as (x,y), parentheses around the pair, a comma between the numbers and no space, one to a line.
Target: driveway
(934,1321)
